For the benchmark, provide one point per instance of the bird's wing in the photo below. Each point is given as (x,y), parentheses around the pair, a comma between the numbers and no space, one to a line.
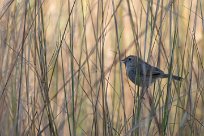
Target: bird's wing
(148,70)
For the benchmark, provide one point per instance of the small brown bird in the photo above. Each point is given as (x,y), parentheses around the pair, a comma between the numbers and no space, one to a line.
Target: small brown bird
(142,73)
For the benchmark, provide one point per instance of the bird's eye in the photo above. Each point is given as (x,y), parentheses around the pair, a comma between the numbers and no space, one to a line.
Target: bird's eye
(129,59)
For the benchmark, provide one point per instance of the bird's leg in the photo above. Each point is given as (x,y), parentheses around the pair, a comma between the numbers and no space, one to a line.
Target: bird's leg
(143,91)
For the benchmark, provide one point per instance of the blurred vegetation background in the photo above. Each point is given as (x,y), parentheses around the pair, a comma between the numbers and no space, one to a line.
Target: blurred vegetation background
(60,69)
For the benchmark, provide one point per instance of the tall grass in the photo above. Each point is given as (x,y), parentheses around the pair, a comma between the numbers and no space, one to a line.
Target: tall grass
(61,72)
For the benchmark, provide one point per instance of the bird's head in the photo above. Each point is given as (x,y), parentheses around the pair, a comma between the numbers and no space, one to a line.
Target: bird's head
(130,61)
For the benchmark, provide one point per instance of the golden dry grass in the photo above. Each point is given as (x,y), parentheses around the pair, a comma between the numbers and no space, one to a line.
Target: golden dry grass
(61,73)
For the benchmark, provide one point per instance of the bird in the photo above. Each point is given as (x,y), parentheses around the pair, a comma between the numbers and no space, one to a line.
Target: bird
(143,74)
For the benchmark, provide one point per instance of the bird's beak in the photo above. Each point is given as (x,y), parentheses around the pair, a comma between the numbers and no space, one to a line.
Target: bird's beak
(123,61)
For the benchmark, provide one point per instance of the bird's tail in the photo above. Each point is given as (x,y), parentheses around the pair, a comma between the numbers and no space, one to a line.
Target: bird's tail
(173,77)
(177,77)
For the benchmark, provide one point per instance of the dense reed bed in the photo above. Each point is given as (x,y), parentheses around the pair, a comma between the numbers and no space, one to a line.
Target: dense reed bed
(61,74)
